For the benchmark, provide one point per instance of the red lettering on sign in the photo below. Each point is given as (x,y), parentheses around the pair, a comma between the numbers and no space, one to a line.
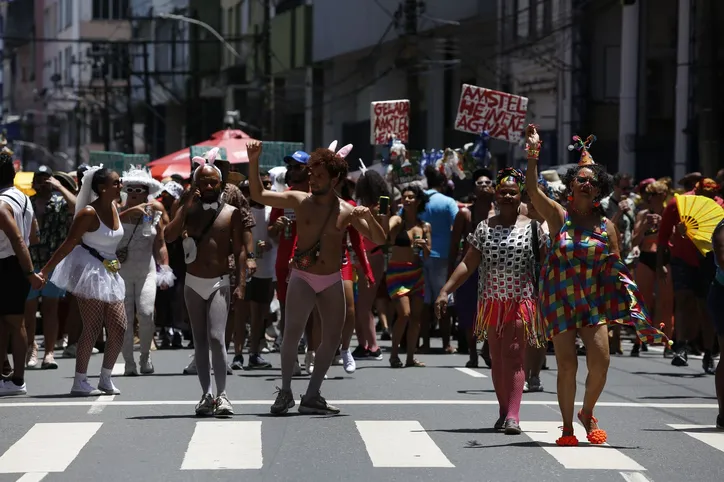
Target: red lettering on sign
(503,115)
(390,119)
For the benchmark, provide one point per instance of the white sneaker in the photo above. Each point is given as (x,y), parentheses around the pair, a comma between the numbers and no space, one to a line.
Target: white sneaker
(9,388)
(32,357)
(348,361)
(106,386)
(191,368)
(309,362)
(81,388)
(146,365)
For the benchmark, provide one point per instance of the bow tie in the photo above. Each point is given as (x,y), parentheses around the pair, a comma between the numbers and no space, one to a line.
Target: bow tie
(208,206)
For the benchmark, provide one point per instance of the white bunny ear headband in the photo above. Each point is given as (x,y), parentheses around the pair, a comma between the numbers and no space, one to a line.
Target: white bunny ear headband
(208,160)
(343,151)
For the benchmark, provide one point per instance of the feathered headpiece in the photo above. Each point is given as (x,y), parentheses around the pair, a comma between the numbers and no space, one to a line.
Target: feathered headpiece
(136,175)
(342,152)
(208,160)
(583,146)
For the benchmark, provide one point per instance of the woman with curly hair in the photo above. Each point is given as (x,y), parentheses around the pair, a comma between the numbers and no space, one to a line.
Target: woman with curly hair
(504,254)
(411,238)
(585,286)
(370,187)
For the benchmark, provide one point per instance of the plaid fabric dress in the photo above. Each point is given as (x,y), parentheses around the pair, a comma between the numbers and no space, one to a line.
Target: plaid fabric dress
(584,284)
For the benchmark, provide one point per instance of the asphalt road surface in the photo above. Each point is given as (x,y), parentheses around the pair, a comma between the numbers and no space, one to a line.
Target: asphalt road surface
(418,424)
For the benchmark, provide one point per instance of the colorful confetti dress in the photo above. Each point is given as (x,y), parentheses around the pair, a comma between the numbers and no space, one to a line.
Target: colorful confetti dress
(584,284)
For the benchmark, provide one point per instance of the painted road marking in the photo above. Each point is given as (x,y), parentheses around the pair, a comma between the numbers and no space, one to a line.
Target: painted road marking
(140,403)
(400,444)
(100,403)
(708,434)
(26,456)
(585,456)
(634,477)
(118,369)
(32,477)
(224,445)
(471,372)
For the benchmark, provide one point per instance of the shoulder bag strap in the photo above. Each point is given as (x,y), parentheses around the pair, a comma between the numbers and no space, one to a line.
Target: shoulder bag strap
(211,223)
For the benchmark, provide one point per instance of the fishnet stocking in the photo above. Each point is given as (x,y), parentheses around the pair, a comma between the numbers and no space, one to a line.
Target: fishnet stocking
(94,314)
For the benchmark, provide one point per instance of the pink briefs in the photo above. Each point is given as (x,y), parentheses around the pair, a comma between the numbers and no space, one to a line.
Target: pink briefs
(318,282)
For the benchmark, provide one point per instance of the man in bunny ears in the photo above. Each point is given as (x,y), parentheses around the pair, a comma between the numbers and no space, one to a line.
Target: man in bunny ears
(315,278)
(212,231)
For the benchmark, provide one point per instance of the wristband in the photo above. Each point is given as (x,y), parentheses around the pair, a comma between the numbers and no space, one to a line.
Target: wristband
(29,273)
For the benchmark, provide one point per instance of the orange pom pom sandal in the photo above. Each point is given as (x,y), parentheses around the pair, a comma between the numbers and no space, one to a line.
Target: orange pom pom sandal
(595,435)
(568,439)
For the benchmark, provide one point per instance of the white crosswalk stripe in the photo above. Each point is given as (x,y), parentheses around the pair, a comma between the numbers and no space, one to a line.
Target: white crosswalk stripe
(402,444)
(224,445)
(25,456)
(585,456)
(708,434)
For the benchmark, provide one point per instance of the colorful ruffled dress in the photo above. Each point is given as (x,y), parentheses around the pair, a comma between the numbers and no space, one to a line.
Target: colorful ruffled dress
(584,284)
(506,279)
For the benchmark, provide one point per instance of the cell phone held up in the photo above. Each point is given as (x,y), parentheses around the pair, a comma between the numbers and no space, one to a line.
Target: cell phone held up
(384,205)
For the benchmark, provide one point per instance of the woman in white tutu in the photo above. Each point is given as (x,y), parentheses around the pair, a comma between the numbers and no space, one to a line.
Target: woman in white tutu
(86,265)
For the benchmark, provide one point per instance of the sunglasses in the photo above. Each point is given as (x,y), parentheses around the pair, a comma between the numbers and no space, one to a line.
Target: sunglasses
(484,183)
(135,190)
(588,180)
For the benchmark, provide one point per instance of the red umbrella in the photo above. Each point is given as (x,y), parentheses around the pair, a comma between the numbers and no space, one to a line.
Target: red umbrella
(162,171)
(234,141)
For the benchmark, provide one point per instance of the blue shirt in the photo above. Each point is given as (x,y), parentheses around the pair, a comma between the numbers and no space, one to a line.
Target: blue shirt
(440,212)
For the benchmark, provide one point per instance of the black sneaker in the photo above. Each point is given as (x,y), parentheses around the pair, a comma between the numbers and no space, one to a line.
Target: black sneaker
(636,350)
(707,363)
(238,362)
(375,355)
(316,405)
(283,402)
(720,422)
(680,359)
(360,353)
(257,362)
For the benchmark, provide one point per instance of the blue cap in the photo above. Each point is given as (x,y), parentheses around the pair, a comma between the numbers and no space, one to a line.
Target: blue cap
(300,156)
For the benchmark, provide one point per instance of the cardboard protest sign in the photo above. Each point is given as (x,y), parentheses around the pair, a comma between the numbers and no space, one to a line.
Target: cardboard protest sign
(501,114)
(389,119)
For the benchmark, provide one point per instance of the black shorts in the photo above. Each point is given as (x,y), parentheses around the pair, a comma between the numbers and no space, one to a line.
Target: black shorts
(14,287)
(260,290)
(715,303)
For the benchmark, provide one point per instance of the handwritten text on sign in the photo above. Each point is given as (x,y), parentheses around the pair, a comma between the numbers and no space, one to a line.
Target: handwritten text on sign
(501,114)
(389,119)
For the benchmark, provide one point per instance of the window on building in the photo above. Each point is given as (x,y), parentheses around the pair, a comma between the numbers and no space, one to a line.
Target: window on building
(523,14)
(96,128)
(110,61)
(229,33)
(68,74)
(110,9)
(286,5)
(68,13)
(59,14)
(547,22)
(46,23)
(59,70)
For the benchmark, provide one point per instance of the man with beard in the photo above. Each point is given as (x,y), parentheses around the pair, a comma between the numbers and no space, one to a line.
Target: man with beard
(466,220)
(54,206)
(211,232)
(315,280)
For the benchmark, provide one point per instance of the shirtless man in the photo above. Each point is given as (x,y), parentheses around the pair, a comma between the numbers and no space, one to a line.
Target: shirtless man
(315,279)
(211,232)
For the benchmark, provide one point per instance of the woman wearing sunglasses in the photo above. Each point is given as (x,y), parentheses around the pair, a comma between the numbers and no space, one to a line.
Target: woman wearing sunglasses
(504,256)
(141,248)
(585,286)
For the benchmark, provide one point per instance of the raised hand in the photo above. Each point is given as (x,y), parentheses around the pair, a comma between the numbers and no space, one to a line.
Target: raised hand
(532,139)
(253,150)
